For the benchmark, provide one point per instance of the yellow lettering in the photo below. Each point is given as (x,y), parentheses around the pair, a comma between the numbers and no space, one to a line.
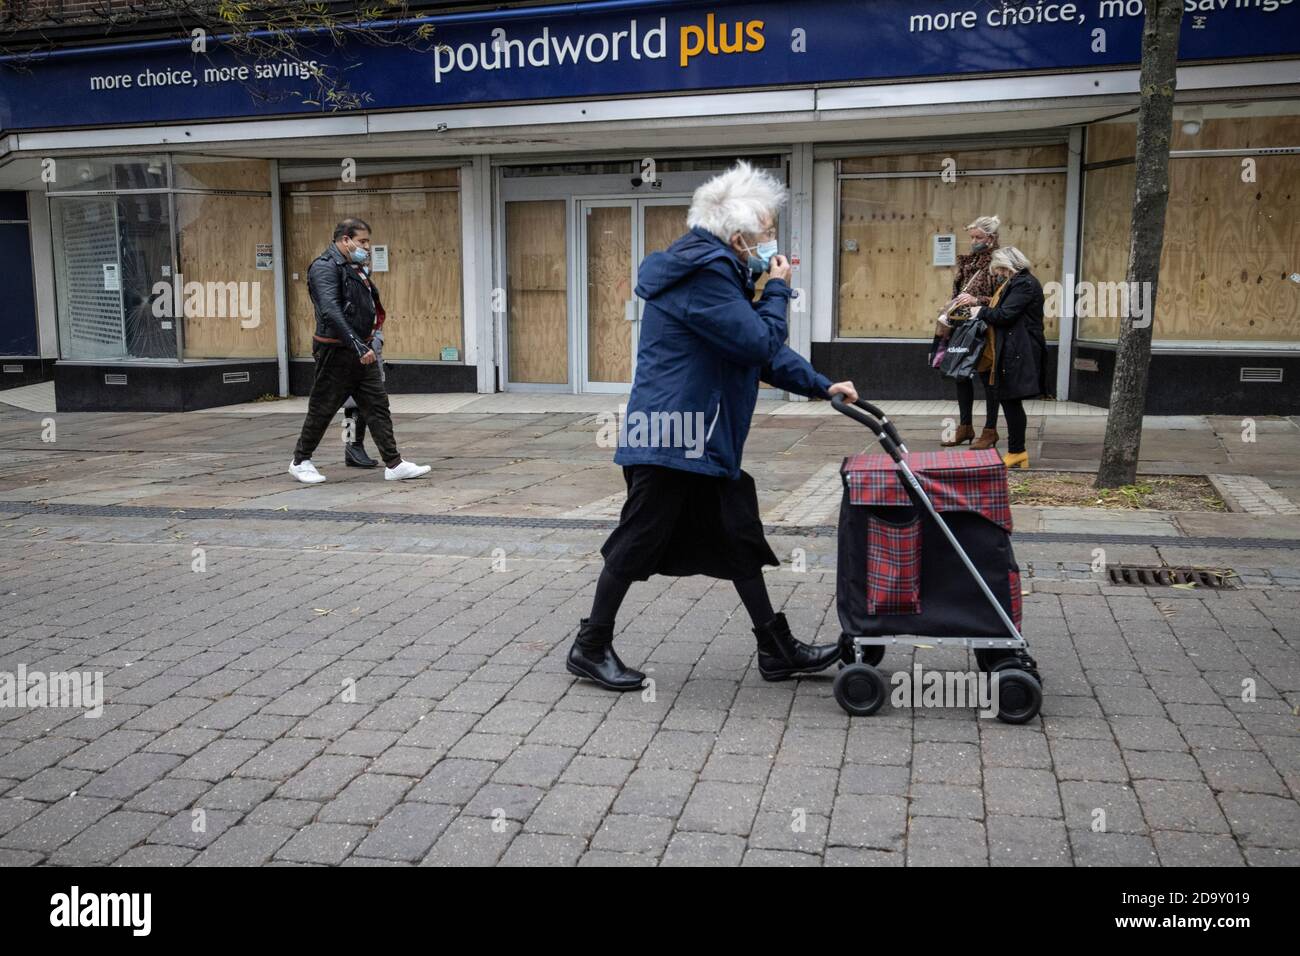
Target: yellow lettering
(726,47)
(691,49)
(754,30)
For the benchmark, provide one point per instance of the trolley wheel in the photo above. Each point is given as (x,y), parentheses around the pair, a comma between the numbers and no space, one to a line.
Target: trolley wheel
(860,689)
(872,654)
(992,659)
(1020,695)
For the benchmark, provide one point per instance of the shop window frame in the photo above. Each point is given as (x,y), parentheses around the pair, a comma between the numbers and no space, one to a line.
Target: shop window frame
(382,169)
(1240,347)
(841,152)
(1235,347)
(170,190)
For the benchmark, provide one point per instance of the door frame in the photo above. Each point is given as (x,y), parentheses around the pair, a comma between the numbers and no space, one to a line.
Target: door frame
(578,320)
(574,190)
(636,205)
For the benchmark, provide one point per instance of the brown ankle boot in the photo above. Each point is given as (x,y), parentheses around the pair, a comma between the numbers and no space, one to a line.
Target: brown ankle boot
(964,434)
(988,438)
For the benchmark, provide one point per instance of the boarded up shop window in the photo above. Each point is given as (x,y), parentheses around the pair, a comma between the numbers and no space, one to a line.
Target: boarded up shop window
(1231,232)
(888,284)
(416,215)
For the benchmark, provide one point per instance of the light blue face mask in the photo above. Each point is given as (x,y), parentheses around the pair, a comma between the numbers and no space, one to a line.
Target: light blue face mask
(761,258)
(359,255)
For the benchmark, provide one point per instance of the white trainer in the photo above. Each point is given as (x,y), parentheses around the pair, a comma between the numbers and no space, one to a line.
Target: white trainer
(405,469)
(306,472)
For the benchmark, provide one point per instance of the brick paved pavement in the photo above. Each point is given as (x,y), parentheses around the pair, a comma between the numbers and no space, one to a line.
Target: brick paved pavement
(366,695)
(358,708)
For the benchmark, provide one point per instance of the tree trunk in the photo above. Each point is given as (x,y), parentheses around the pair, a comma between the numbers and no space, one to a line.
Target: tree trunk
(1128,392)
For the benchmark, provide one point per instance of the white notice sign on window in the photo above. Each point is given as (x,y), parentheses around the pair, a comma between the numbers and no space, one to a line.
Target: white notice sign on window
(945,249)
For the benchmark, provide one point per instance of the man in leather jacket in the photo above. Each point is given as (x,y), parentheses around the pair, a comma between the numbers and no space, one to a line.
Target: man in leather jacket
(354,441)
(346,306)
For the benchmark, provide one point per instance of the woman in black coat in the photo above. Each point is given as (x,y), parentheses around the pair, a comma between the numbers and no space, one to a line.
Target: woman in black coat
(1014,361)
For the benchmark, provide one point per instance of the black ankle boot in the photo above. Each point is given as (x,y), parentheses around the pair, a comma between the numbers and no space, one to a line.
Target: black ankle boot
(781,656)
(354,452)
(592,656)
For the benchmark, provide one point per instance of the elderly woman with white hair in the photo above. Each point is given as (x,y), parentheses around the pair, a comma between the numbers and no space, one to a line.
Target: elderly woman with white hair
(705,344)
(1013,363)
(972,286)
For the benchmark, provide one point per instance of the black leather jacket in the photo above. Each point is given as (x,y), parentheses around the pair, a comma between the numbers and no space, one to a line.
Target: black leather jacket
(345,308)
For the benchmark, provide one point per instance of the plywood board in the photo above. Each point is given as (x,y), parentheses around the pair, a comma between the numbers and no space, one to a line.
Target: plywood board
(1119,140)
(1107,211)
(422,290)
(664,225)
(888,287)
(1230,247)
(1108,141)
(609,290)
(1239,132)
(201,172)
(216,242)
(537,292)
(1027,157)
(420,179)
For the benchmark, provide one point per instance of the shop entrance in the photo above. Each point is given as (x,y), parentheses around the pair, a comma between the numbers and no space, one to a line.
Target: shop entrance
(568,256)
(616,235)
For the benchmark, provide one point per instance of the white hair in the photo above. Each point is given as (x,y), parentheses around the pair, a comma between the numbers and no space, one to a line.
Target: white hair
(738,200)
(1009,257)
(988,224)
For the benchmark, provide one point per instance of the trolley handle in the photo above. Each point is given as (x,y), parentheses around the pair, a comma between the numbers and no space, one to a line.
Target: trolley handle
(885,423)
(883,429)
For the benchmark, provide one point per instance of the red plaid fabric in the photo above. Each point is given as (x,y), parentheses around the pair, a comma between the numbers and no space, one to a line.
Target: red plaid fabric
(893,567)
(954,480)
(1015,597)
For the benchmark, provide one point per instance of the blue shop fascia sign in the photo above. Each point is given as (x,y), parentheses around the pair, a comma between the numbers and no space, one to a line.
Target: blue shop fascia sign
(618,48)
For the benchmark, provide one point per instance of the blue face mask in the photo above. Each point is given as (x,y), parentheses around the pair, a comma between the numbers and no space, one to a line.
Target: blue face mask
(359,255)
(761,257)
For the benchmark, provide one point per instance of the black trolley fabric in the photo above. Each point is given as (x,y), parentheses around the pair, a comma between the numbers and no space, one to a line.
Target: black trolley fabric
(897,572)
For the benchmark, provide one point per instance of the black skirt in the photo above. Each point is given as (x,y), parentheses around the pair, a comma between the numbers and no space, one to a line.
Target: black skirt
(681,523)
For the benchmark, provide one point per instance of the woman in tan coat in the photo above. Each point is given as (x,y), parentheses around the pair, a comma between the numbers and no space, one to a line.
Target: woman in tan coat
(973,286)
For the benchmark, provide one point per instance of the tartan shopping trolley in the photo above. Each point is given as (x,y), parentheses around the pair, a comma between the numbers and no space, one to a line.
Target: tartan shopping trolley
(909,526)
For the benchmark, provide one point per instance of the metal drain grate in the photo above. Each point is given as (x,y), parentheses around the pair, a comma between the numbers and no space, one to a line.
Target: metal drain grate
(1131,574)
